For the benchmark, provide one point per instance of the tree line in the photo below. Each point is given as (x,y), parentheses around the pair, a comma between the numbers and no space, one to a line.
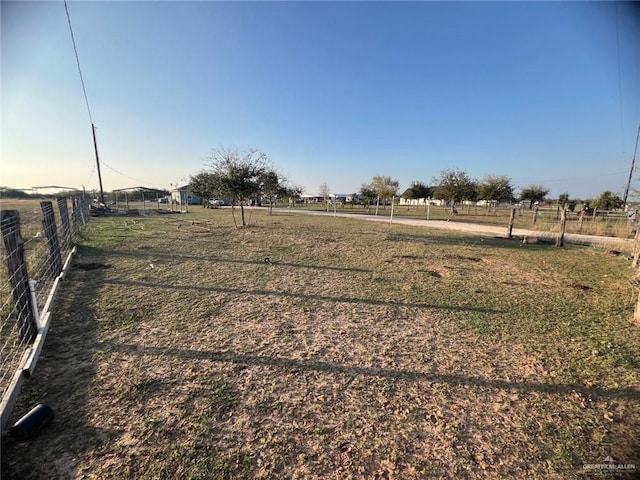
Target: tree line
(456,186)
(8,192)
(132,194)
(249,176)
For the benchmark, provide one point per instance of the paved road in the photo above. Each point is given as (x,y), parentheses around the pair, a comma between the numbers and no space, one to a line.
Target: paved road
(622,244)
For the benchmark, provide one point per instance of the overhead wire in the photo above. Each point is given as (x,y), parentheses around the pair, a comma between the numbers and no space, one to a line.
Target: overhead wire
(635,150)
(127,176)
(93,170)
(558,182)
(583,177)
(86,100)
(75,49)
(620,80)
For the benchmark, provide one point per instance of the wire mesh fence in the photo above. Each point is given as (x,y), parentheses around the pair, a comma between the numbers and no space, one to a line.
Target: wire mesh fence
(36,242)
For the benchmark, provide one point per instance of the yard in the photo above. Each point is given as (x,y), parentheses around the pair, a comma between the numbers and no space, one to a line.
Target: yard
(612,223)
(359,350)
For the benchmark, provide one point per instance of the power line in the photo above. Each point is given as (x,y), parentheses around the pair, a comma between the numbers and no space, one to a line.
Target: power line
(73,40)
(86,100)
(127,176)
(619,80)
(635,150)
(93,128)
(582,177)
(633,167)
(91,176)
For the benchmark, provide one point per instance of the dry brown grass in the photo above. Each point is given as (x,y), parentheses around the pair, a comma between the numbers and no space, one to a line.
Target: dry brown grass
(362,351)
(610,224)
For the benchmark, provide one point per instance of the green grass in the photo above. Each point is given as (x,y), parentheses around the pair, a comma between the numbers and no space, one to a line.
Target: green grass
(363,350)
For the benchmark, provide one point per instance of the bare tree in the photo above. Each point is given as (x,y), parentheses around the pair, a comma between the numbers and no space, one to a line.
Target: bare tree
(325,192)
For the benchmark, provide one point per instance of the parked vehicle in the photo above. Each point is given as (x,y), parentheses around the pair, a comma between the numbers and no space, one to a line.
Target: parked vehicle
(218,202)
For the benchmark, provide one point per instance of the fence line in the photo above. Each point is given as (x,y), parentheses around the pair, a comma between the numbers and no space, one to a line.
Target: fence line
(31,272)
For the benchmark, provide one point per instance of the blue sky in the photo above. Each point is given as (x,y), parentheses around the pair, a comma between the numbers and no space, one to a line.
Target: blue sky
(333,92)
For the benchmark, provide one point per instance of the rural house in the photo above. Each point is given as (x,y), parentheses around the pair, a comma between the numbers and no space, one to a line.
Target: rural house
(182,195)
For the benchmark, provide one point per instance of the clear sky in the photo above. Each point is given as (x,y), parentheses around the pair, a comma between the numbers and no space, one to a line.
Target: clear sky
(333,92)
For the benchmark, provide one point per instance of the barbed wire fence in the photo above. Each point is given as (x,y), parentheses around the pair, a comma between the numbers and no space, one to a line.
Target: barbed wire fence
(29,277)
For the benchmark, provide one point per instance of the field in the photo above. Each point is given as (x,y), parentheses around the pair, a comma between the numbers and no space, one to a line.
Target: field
(358,350)
(30,214)
(614,224)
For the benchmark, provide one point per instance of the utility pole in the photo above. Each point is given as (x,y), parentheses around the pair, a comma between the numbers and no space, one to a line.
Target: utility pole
(95,147)
(633,167)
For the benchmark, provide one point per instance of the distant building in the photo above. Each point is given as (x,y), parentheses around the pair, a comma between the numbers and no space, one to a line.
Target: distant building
(340,197)
(311,198)
(182,195)
(333,197)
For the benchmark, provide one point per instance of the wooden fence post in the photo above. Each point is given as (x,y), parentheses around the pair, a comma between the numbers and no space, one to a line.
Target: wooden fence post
(83,219)
(636,249)
(563,226)
(51,233)
(64,220)
(78,213)
(86,208)
(18,276)
(74,215)
(512,219)
(580,220)
(535,215)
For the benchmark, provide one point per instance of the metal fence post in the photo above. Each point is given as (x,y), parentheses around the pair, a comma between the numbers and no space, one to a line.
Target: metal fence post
(64,220)
(18,276)
(51,233)
(76,214)
(86,204)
